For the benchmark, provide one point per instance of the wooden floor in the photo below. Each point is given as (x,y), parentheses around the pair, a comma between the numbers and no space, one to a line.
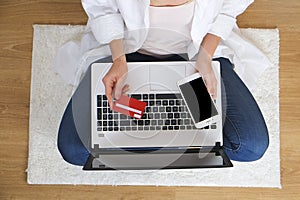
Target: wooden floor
(16,20)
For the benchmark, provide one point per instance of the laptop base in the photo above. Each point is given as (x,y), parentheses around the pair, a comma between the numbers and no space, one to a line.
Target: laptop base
(155,158)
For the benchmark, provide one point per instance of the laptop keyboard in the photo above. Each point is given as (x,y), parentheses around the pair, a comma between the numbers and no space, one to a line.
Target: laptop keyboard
(163,112)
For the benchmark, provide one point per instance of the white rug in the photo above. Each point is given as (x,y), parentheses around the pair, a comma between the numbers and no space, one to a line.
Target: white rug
(49,97)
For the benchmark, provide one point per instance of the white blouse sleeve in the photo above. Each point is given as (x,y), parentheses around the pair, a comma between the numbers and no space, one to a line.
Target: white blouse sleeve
(105,20)
(226,19)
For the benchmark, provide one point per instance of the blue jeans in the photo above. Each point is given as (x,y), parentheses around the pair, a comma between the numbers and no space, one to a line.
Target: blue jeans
(245,135)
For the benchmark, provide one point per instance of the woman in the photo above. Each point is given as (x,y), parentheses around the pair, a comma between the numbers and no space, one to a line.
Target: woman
(164,30)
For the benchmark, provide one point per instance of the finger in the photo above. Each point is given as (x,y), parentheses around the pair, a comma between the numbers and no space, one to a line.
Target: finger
(125,88)
(109,85)
(118,88)
(211,86)
(213,91)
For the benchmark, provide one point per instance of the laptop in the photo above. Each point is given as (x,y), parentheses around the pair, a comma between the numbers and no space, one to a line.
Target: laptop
(164,137)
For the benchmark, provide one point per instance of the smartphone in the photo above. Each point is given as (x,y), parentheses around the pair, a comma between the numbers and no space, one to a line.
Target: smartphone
(200,104)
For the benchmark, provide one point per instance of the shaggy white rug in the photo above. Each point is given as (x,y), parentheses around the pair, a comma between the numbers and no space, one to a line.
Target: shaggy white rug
(49,97)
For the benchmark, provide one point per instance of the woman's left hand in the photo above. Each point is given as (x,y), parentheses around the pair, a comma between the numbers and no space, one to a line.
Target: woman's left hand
(211,84)
(204,67)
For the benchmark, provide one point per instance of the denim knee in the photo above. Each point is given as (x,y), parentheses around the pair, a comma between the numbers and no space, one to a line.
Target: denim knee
(69,144)
(259,150)
(71,154)
(250,150)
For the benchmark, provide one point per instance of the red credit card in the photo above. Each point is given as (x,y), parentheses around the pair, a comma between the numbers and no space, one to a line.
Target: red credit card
(129,106)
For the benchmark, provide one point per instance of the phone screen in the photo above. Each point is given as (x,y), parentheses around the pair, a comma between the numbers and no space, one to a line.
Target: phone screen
(198,100)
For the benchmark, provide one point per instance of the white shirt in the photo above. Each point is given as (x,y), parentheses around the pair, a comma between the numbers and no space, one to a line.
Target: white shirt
(169,30)
(129,19)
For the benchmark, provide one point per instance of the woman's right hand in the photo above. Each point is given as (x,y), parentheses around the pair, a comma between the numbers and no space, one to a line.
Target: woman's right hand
(114,80)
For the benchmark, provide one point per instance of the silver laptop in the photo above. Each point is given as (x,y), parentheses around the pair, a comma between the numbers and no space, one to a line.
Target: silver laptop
(165,136)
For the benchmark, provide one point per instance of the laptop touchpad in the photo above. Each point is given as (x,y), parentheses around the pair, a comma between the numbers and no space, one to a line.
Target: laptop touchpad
(165,77)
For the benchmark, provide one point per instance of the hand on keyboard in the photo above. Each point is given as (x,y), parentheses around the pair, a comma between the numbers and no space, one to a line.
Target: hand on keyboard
(114,80)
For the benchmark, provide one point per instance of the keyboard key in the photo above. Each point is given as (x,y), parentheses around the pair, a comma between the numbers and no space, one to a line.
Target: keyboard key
(147,122)
(182,127)
(181,109)
(146,128)
(140,122)
(155,109)
(180,122)
(161,109)
(150,115)
(164,128)
(104,123)
(104,116)
(110,123)
(186,121)
(104,97)
(173,122)
(167,122)
(168,96)
(176,115)
(99,114)
(153,122)
(176,127)
(175,109)
(163,115)
(165,102)
(151,103)
(160,122)
(183,115)
(145,96)
(168,109)
(152,128)
(157,116)
(99,123)
(170,127)
(178,102)
(128,128)
(104,129)
(136,96)
(170,115)
(116,128)
(151,96)
(99,100)
(158,128)
(133,122)
(158,103)
(123,116)
(140,128)
(171,102)
(104,104)
(144,116)
(125,123)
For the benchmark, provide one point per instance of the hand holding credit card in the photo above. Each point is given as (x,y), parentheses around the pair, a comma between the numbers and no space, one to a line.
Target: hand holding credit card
(129,106)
